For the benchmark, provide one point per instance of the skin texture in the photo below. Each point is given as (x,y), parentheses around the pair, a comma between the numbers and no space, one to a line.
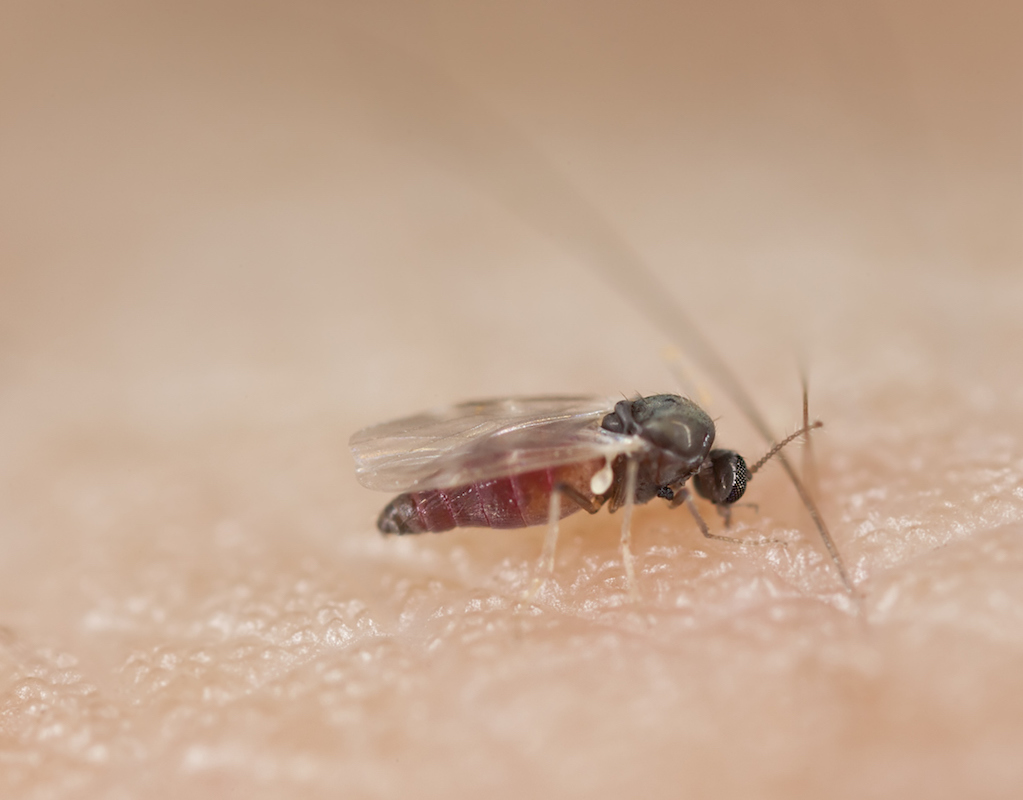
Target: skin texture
(230,241)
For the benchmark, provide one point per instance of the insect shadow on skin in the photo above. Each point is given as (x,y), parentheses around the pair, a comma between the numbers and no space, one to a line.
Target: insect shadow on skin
(518,462)
(456,129)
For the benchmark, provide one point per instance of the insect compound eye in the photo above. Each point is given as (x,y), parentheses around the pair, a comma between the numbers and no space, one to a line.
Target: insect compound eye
(741,478)
(725,481)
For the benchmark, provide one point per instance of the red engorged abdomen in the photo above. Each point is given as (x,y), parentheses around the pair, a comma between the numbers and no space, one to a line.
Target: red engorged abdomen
(513,501)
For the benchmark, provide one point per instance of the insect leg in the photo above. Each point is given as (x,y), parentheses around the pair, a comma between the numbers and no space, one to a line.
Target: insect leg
(631,470)
(591,505)
(725,512)
(683,496)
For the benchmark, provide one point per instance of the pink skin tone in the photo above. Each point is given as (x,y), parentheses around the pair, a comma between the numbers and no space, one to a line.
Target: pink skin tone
(218,262)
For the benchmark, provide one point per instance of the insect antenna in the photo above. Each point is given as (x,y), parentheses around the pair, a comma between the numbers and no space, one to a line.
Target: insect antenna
(805,430)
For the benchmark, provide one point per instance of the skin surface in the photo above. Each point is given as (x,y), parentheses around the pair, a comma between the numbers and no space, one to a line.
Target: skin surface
(231,239)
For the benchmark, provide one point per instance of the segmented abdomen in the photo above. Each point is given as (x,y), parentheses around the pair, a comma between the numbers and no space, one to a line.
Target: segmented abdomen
(513,501)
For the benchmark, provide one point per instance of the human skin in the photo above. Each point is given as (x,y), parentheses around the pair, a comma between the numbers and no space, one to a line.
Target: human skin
(228,244)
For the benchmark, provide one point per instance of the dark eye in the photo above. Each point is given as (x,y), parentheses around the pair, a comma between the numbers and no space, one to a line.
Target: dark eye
(725,481)
(739,480)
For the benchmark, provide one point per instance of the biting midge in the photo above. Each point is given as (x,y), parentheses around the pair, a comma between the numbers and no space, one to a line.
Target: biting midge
(668,438)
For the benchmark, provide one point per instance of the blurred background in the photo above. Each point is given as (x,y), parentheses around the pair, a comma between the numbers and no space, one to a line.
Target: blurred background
(231,234)
(247,192)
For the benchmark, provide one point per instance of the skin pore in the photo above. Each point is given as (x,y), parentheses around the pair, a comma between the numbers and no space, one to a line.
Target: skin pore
(229,245)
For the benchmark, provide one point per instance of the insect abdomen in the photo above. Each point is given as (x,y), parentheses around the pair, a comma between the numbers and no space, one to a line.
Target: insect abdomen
(514,501)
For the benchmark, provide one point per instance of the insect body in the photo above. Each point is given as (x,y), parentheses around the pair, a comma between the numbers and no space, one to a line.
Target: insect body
(500,463)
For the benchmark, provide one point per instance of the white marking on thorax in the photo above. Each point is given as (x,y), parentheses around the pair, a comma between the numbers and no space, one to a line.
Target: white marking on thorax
(601,481)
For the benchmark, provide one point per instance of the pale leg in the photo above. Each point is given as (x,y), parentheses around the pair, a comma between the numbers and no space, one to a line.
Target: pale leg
(630,495)
(546,567)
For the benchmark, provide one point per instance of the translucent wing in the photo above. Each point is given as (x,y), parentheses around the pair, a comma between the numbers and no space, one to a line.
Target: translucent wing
(486,439)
